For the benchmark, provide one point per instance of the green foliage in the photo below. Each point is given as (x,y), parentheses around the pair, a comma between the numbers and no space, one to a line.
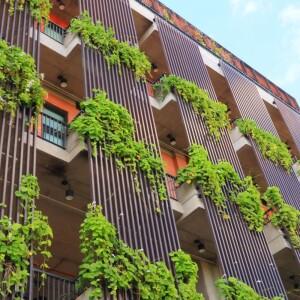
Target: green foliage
(39,9)
(186,275)
(97,37)
(19,242)
(202,171)
(284,215)
(19,81)
(110,126)
(214,113)
(249,202)
(214,180)
(270,146)
(107,260)
(234,289)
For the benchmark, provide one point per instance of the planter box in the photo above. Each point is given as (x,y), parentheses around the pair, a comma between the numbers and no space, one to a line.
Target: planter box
(276,240)
(238,139)
(188,197)
(160,104)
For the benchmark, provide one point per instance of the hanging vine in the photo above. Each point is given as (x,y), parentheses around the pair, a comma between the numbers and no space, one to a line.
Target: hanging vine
(97,37)
(270,146)
(109,261)
(213,112)
(110,126)
(231,288)
(40,9)
(283,215)
(214,180)
(20,241)
(19,80)
(186,275)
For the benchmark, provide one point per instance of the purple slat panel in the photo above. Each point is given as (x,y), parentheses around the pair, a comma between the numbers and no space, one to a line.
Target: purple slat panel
(251,105)
(133,213)
(241,253)
(292,120)
(17,153)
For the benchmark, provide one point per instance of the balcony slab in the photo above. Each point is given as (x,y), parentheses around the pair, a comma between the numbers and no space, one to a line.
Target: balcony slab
(238,139)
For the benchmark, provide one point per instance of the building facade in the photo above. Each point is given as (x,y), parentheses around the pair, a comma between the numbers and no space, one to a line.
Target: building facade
(69,169)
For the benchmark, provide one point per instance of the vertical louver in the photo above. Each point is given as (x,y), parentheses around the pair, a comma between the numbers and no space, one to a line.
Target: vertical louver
(17,138)
(133,213)
(242,254)
(252,106)
(292,120)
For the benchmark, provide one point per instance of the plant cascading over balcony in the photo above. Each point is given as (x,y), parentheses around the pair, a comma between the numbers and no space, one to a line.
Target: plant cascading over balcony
(220,182)
(19,81)
(284,215)
(115,52)
(232,288)
(39,9)
(214,179)
(20,241)
(111,126)
(270,146)
(213,112)
(108,260)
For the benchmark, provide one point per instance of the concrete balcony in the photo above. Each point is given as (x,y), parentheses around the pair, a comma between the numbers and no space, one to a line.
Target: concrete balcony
(57,39)
(285,259)
(239,141)
(160,104)
(188,197)
(73,147)
(276,240)
(64,48)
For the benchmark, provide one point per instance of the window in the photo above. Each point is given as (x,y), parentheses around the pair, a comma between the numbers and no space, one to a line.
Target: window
(54,127)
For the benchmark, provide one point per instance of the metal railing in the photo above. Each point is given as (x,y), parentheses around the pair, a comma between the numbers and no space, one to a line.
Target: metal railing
(53,130)
(171,186)
(55,32)
(54,287)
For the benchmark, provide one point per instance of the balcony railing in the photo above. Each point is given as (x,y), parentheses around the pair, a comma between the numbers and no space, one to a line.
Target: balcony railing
(54,287)
(55,32)
(53,130)
(171,186)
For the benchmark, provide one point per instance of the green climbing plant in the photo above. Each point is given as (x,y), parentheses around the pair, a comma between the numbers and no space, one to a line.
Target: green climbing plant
(250,205)
(186,275)
(233,289)
(20,241)
(115,52)
(108,260)
(19,80)
(270,146)
(214,180)
(283,215)
(39,9)
(111,126)
(213,112)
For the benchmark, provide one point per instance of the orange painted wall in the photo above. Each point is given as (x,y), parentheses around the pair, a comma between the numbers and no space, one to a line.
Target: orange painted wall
(65,105)
(61,103)
(173,162)
(58,21)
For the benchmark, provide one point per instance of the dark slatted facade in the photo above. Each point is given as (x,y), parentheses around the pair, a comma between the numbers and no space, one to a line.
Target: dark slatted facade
(292,120)
(17,139)
(251,105)
(241,253)
(133,213)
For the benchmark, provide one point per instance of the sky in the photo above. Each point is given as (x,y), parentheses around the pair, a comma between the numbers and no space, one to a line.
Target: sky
(263,33)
